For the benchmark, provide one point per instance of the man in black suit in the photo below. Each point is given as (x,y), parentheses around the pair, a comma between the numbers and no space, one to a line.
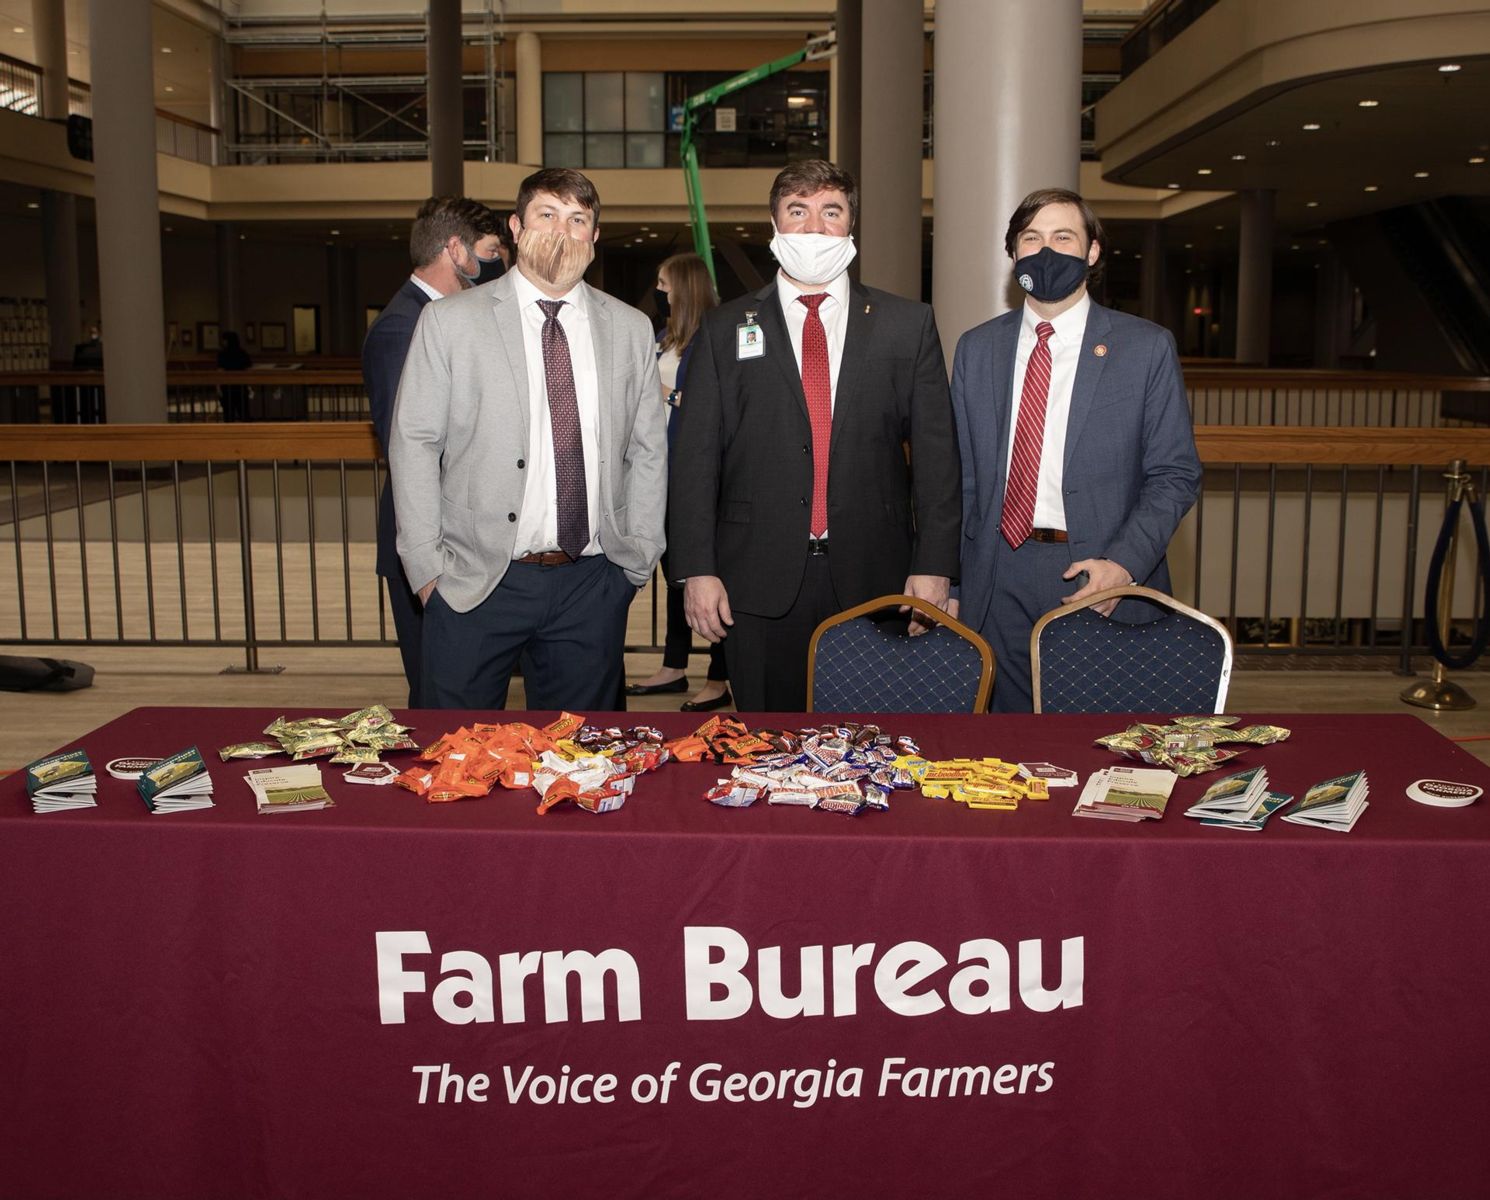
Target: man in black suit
(816,464)
(442,246)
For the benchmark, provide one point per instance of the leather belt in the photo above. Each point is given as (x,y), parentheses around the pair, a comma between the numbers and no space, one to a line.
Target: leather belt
(817,546)
(1047,535)
(545,558)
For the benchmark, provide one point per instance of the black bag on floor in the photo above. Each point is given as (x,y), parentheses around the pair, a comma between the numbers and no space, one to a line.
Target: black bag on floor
(43,675)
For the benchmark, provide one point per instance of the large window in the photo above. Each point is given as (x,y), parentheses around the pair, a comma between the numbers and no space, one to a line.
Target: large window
(603,119)
(631,119)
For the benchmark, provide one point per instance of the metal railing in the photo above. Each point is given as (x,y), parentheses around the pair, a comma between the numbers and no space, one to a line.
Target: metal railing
(1305,540)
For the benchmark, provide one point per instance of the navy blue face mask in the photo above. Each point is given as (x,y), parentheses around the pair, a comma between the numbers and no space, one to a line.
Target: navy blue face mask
(1050,275)
(491,268)
(664,306)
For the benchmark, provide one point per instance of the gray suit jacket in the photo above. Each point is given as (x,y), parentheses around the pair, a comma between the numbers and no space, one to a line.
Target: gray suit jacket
(1130,469)
(458,447)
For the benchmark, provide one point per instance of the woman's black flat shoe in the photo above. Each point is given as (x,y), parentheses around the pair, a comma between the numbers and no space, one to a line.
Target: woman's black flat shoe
(707,705)
(657,689)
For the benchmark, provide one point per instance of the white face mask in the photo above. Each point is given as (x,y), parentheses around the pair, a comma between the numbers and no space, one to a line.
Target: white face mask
(813,258)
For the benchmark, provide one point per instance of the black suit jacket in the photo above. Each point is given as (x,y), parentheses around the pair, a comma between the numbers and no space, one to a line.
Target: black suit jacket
(383,355)
(741,493)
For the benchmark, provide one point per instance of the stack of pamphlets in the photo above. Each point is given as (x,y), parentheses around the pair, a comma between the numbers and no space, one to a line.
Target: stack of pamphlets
(1239,801)
(176,784)
(1125,794)
(62,781)
(289,788)
(1334,804)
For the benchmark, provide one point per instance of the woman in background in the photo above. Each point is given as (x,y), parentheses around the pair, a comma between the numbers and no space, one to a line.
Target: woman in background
(684,294)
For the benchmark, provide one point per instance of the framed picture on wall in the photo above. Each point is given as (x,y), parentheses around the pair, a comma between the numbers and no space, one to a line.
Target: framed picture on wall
(307,326)
(173,335)
(250,333)
(208,337)
(188,339)
(272,335)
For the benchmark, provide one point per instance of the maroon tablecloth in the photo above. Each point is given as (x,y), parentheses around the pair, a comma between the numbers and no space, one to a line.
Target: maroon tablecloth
(190,1004)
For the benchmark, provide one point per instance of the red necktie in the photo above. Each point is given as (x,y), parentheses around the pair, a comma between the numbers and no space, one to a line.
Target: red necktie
(569,448)
(1029,438)
(817,386)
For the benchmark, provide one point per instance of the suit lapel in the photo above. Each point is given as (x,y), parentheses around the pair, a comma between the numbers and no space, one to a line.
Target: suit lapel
(1005,347)
(602,336)
(1088,374)
(779,342)
(857,338)
(509,319)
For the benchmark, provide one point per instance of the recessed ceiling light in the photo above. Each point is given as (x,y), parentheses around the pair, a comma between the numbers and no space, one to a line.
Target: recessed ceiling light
(32,204)
(1138,256)
(169,88)
(1173,187)
(1420,174)
(1449,68)
(739,229)
(1311,126)
(1238,158)
(1295,247)
(1476,160)
(335,232)
(1117,251)
(18,29)
(169,229)
(652,235)
(1368,103)
(1189,245)
(1311,204)
(1272,143)
(165,50)
(1371,187)
(1203,171)
(1220,226)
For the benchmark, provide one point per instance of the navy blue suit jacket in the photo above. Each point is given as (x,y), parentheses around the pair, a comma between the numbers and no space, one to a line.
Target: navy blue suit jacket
(1130,467)
(383,355)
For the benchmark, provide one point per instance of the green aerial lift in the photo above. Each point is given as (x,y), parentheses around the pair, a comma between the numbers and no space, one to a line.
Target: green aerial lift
(816,48)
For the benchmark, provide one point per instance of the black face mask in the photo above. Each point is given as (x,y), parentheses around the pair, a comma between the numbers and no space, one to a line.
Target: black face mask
(1050,275)
(664,306)
(491,268)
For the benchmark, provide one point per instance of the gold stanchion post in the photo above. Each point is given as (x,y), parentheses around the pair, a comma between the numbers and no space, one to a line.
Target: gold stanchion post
(1439,692)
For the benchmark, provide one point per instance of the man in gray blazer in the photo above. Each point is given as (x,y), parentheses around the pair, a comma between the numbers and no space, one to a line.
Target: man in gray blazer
(529,464)
(1078,457)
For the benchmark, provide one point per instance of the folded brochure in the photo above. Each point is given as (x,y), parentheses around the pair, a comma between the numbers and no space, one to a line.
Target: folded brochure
(176,784)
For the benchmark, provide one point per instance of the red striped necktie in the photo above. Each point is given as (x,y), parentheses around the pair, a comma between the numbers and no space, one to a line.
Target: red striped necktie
(1029,438)
(817,387)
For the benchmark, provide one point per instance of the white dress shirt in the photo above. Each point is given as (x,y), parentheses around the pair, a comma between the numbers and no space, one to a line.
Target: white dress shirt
(538,523)
(1065,354)
(433,293)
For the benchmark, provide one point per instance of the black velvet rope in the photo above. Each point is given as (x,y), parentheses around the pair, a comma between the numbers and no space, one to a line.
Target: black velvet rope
(1435,574)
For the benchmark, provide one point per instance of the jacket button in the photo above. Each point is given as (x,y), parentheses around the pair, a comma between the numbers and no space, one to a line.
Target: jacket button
(803,501)
(512,516)
(521,464)
(806,449)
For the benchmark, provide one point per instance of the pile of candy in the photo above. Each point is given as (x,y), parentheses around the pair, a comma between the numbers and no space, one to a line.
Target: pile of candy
(358,737)
(565,760)
(1190,745)
(988,783)
(842,769)
(729,740)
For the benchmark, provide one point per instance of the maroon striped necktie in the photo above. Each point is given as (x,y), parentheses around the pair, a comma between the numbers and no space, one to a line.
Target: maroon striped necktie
(569,448)
(1029,438)
(817,387)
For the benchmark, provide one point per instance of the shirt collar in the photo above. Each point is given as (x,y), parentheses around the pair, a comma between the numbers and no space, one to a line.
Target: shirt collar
(1070,326)
(837,287)
(528,293)
(429,290)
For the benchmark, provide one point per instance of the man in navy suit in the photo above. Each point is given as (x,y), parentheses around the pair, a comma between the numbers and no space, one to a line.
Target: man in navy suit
(1078,456)
(442,245)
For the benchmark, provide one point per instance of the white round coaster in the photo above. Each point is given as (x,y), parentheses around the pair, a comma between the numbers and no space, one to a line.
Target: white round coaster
(1442,794)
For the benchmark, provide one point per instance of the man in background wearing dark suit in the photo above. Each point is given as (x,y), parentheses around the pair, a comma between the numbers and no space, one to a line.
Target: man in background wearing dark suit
(1078,457)
(792,498)
(442,246)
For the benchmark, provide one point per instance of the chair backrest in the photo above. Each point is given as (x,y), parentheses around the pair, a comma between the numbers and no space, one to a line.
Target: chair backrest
(1083,662)
(855,664)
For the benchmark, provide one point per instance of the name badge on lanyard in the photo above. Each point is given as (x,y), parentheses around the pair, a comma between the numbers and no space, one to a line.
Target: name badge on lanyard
(750,339)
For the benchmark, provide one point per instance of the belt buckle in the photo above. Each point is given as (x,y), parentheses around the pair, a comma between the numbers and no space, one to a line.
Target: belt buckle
(816,546)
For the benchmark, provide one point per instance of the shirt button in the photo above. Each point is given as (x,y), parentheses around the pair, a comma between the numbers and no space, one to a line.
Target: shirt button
(512,516)
(521,464)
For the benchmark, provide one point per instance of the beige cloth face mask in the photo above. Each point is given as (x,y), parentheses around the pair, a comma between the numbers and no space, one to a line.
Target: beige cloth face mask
(555,257)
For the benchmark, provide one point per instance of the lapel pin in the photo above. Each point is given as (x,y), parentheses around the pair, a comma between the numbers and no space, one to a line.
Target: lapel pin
(1100,350)
(867,307)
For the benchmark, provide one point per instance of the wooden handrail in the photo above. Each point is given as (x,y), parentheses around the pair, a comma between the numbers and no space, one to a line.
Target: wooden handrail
(266,441)
(194,377)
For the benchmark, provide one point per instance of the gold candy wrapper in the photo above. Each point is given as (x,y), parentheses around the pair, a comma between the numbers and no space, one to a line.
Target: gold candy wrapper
(248,750)
(1190,745)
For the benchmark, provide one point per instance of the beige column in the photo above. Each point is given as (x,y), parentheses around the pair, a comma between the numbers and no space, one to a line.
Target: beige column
(890,177)
(447,166)
(848,59)
(127,206)
(529,73)
(1254,301)
(1008,121)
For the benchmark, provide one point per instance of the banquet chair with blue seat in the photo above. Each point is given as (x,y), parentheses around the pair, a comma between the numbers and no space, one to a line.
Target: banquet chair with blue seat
(857,663)
(1082,662)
